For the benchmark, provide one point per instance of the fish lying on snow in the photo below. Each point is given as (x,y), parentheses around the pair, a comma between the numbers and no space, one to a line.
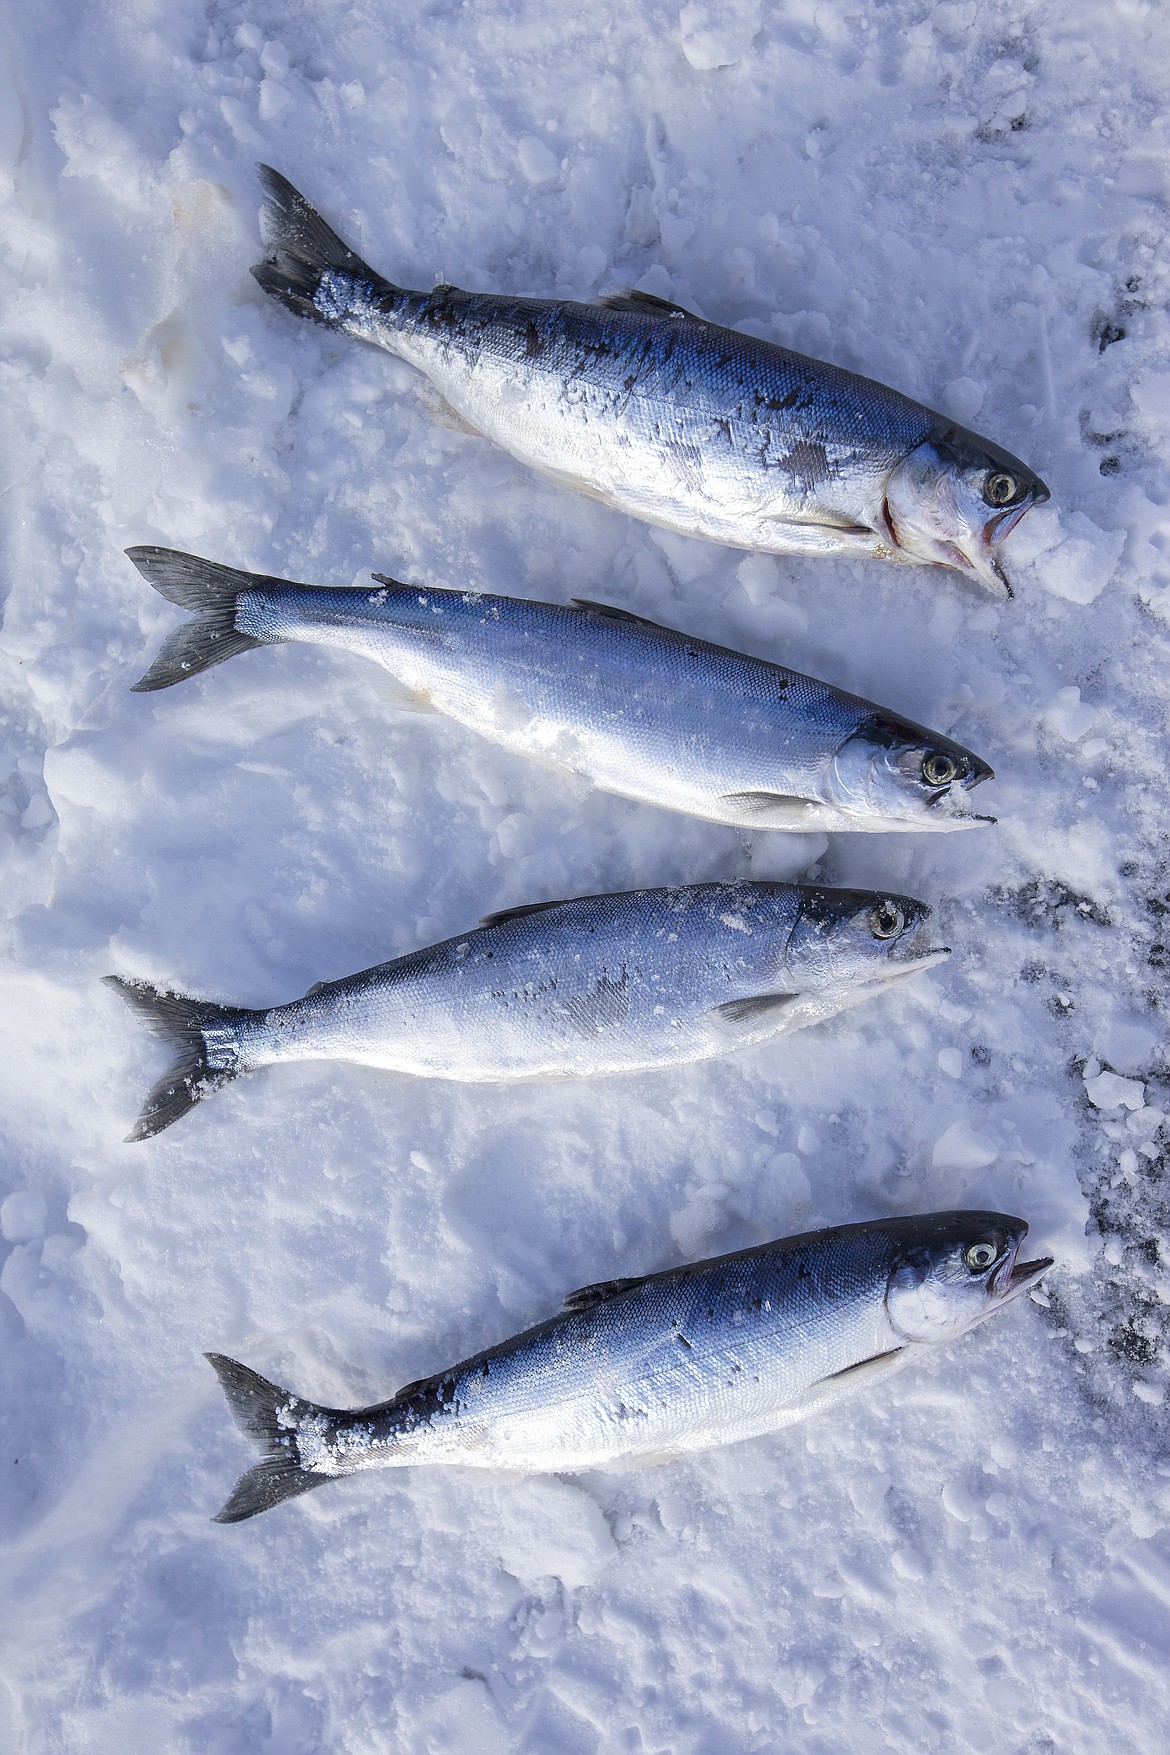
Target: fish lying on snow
(652,1368)
(602,984)
(670,418)
(635,708)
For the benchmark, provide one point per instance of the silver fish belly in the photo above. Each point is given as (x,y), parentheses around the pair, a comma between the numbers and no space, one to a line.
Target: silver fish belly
(670,418)
(600,984)
(635,708)
(644,1369)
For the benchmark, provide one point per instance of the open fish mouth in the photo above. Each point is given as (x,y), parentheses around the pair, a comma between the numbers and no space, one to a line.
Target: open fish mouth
(950,804)
(1014,1280)
(983,559)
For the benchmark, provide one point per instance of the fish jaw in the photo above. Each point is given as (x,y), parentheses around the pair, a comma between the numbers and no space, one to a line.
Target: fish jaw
(827,1002)
(1020,1278)
(938,505)
(979,555)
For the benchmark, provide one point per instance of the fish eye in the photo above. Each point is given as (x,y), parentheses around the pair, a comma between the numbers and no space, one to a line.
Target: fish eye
(886,920)
(938,769)
(980,1256)
(1000,488)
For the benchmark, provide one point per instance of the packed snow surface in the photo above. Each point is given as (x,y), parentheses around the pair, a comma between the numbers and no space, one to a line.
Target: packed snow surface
(966,201)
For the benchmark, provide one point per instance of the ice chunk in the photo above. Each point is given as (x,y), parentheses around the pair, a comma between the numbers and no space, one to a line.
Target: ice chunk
(712,36)
(23,1216)
(961,1147)
(963,398)
(1110,1091)
(1151,397)
(1069,716)
(552,1529)
(1079,567)
(536,161)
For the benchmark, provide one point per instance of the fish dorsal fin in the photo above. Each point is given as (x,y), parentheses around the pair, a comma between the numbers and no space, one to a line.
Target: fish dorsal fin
(646,304)
(519,912)
(412,1388)
(317,987)
(524,908)
(760,1008)
(585,1297)
(621,615)
(778,809)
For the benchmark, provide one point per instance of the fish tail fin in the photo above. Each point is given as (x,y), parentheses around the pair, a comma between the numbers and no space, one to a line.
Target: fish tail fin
(182,1024)
(270,1416)
(212,592)
(308,267)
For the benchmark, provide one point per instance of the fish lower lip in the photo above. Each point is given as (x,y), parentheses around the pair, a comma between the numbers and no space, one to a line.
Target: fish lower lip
(1026,1273)
(915,962)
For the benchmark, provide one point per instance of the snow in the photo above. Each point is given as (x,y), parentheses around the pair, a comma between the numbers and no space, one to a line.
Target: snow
(968,202)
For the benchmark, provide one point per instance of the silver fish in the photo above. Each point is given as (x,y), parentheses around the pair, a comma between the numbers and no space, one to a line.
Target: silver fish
(670,418)
(601,984)
(646,1369)
(636,708)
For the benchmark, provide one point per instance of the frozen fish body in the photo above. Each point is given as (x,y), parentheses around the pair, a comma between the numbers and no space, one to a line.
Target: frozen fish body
(649,1368)
(601,984)
(670,418)
(636,708)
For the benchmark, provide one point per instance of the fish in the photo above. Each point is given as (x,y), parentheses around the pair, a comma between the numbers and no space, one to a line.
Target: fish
(651,1368)
(600,984)
(672,419)
(633,707)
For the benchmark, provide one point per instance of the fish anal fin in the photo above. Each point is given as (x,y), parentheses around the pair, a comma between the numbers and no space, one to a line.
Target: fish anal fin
(777,809)
(585,1297)
(440,410)
(576,484)
(646,304)
(758,1009)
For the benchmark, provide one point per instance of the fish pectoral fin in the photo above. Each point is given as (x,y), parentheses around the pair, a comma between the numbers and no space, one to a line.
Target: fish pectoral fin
(585,1297)
(646,304)
(839,1384)
(779,809)
(823,520)
(863,1370)
(758,1009)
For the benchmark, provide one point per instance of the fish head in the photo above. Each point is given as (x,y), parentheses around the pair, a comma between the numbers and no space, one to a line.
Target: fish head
(856,940)
(954,499)
(893,773)
(954,1270)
